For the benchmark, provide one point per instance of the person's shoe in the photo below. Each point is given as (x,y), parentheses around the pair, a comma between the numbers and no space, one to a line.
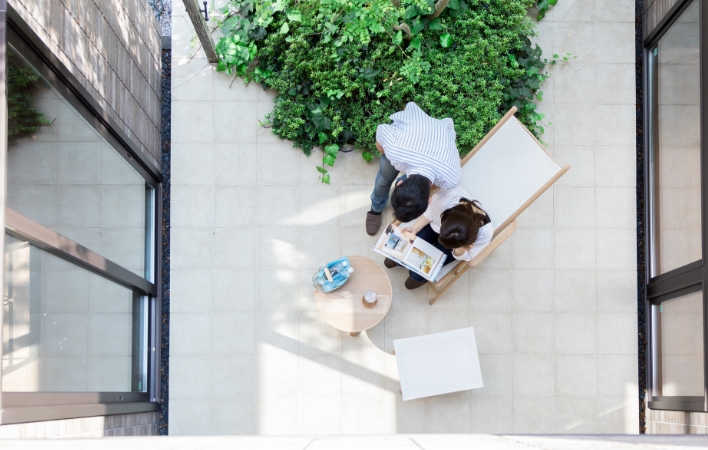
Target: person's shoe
(390,264)
(373,223)
(414,284)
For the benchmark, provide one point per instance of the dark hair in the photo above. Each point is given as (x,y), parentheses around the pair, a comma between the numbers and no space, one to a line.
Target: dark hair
(460,224)
(410,199)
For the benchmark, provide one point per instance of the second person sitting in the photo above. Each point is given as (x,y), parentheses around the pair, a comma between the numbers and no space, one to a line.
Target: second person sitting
(455,225)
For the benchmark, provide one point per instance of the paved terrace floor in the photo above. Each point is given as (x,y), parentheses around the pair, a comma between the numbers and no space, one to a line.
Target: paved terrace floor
(554,309)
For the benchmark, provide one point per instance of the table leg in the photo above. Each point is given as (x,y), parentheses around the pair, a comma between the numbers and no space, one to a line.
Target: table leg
(355,334)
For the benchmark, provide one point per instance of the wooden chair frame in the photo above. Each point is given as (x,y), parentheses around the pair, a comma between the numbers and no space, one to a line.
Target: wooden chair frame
(505,230)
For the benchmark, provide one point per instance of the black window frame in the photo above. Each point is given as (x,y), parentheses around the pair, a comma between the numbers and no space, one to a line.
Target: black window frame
(690,277)
(18,407)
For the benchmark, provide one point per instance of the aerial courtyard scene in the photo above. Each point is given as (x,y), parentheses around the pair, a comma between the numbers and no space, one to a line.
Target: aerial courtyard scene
(327,223)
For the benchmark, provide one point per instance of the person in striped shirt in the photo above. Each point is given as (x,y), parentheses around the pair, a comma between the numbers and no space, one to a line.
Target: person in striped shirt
(422,147)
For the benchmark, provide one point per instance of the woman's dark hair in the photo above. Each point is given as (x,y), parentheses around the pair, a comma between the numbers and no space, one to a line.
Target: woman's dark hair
(410,199)
(460,224)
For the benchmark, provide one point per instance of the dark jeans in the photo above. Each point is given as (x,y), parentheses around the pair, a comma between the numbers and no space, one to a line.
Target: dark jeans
(384,179)
(430,236)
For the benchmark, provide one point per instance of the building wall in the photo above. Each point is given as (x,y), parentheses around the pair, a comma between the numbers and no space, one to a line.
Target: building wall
(654,11)
(139,424)
(113,48)
(676,422)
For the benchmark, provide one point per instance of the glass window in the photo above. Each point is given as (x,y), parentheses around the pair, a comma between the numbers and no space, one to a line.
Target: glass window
(66,329)
(675,146)
(680,328)
(64,175)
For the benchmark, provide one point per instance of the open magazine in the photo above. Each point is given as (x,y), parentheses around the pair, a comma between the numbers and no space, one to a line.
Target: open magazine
(415,254)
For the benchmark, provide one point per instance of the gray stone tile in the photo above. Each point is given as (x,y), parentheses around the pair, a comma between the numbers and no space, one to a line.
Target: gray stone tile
(234,290)
(533,333)
(616,290)
(540,213)
(192,163)
(318,246)
(616,208)
(490,290)
(614,42)
(193,79)
(616,375)
(614,11)
(235,206)
(189,248)
(576,333)
(321,416)
(616,249)
(275,290)
(497,374)
(235,165)
(615,166)
(575,291)
(278,206)
(191,291)
(615,84)
(575,248)
(576,38)
(533,376)
(491,415)
(449,413)
(582,165)
(574,83)
(122,206)
(234,248)
(191,333)
(576,375)
(278,164)
(573,124)
(321,206)
(235,122)
(574,207)
(532,248)
(234,416)
(278,248)
(532,290)
(234,376)
(193,121)
(534,415)
(191,376)
(190,416)
(615,124)
(576,415)
(493,332)
(234,333)
(617,333)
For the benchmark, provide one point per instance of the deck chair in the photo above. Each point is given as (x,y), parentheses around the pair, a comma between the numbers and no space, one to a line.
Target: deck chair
(507,171)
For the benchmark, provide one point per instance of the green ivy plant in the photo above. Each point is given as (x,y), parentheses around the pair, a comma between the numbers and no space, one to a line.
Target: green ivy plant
(342,67)
(542,6)
(23,119)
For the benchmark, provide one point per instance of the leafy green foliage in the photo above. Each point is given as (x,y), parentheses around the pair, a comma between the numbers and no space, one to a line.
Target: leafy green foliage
(342,67)
(543,6)
(23,118)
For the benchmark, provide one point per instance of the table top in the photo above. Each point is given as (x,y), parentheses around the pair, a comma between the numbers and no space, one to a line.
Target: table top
(344,309)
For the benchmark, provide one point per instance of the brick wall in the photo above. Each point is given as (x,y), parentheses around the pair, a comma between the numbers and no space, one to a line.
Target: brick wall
(676,422)
(113,47)
(139,424)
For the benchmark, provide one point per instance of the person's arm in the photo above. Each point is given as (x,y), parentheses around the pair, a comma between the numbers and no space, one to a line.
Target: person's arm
(380,148)
(417,226)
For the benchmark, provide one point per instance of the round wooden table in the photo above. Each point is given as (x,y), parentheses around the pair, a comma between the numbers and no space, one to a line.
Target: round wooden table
(344,308)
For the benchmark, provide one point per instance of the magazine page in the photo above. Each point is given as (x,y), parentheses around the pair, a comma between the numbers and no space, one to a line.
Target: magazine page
(393,243)
(424,258)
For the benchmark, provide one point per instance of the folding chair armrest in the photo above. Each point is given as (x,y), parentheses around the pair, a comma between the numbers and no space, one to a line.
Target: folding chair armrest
(496,242)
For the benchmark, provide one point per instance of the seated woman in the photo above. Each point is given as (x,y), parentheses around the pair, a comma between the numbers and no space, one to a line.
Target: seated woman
(457,226)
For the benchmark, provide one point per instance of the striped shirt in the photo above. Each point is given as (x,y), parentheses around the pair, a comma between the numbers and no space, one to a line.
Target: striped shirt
(418,144)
